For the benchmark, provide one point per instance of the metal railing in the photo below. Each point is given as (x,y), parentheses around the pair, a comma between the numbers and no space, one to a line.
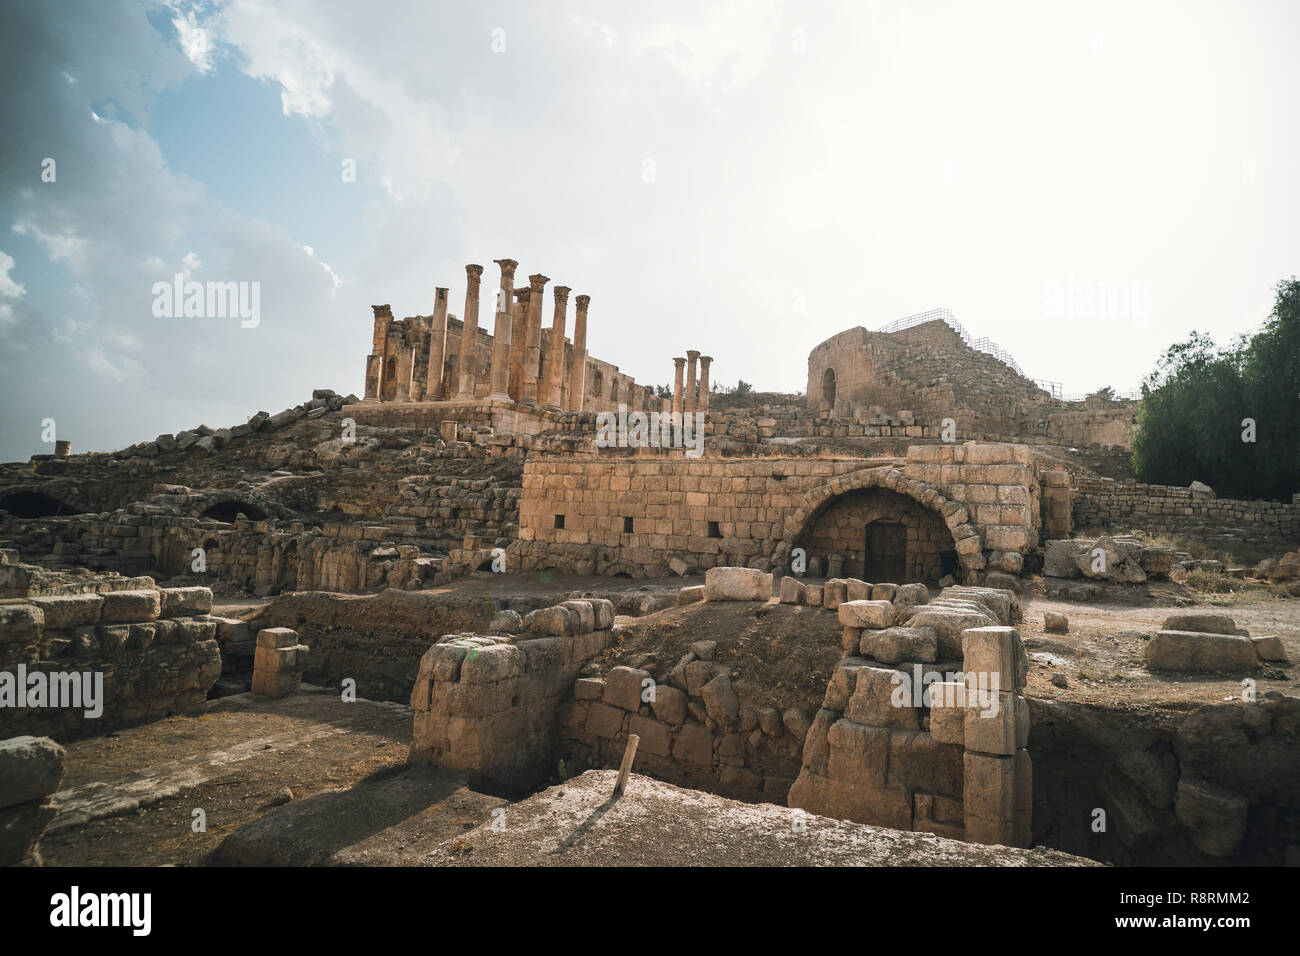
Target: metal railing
(989,347)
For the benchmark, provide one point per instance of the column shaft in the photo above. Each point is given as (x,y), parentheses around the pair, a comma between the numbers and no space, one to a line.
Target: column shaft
(469,335)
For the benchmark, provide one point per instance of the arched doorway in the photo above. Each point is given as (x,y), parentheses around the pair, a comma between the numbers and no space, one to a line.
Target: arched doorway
(33,504)
(231,509)
(828,389)
(882,537)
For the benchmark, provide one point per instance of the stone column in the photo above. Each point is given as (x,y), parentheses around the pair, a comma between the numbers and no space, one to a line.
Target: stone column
(551,395)
(502,333)
(405,372)
(519,332)
(469,335)
(437,346)
(375,360)
(693,357)
(533,345)
(577,374)
(680,364)
(705,361)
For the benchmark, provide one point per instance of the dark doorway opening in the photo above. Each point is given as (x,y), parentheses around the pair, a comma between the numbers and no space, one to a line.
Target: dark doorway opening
(230,510)
(886,552)
(33,504)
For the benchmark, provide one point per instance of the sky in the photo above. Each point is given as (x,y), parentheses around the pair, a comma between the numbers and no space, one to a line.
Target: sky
(1085,184)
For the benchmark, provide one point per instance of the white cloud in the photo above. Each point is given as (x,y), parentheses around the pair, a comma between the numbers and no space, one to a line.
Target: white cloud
(194,41)
(64,246)
(9,289)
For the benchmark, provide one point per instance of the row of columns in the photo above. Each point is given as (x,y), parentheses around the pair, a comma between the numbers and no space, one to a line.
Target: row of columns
(696,397)
(516,360)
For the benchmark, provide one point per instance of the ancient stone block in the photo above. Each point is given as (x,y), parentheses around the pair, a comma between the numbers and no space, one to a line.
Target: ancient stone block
(71,610)
(1200,652)
(123,607)
(692,595)
(873,701)
(30,769)
(791,590)
(894,645)
(623,687)
(177,602)
(720,700)
(996,650)
(737,584)
(1003,731)
(867,614)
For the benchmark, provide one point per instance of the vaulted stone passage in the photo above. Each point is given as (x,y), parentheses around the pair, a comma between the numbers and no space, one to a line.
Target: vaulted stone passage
(229,510)
(33,504)
(881,535)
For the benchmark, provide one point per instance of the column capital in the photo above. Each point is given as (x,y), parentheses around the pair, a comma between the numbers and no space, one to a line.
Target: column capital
(706,359)
(537,282)
(583,301)
(562,293)
(523,294)
(440,292)
(382,310)
(473,270)
(679,362)
(507,267)
(692,355)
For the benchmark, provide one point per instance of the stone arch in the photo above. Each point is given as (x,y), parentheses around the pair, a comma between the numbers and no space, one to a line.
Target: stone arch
(33,503)
(227,507)
(954,514)
(828,389)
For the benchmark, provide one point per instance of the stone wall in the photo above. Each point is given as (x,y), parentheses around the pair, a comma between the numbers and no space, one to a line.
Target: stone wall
(144,653)
(636,514)
(903,741)
(487,704)
(1131,505)
(375,640)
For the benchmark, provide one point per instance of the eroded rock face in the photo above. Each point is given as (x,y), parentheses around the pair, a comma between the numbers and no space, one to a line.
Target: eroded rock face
(30,770)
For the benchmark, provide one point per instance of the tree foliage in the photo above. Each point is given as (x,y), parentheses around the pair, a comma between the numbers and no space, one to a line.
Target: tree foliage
(1192,422)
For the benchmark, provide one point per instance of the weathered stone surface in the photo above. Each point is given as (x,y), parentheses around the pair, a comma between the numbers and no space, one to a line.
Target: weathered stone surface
(30,768)
(1215,816)
(996,650)
(894,645)
(1269,648)
(867,614)
(1056,623)
(669,704)
(1203,623)
(1198,651)
(178,602)
(720,700)
(623,687)
(693,594)
(737,584)
(791,590)
(71,610)
(128,606)
(949,623)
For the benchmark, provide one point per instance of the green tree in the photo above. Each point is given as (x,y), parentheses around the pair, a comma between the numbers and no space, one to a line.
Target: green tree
(1196,404)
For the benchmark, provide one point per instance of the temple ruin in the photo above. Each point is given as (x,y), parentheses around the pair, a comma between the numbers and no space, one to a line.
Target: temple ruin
(925,595)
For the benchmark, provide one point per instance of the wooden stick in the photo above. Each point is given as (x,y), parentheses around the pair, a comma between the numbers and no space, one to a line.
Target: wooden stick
(625,770)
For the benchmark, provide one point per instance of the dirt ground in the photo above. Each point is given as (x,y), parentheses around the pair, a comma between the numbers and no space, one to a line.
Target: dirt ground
(128,798)
(1102,660)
